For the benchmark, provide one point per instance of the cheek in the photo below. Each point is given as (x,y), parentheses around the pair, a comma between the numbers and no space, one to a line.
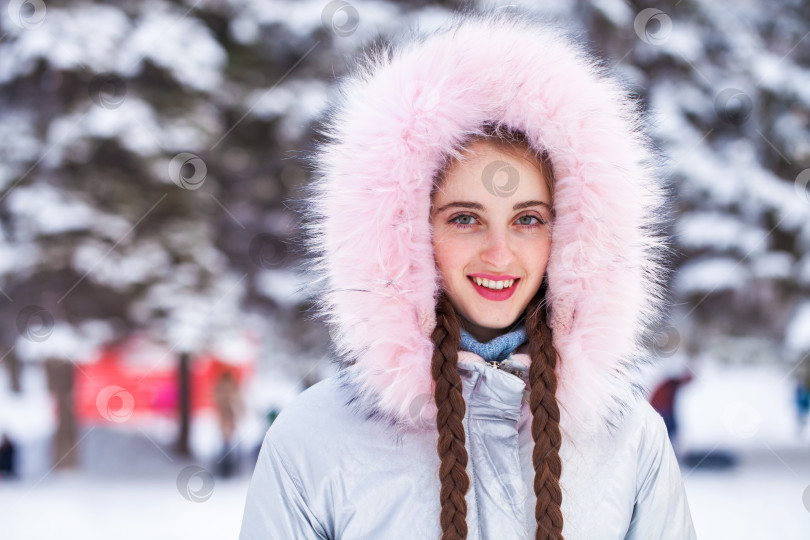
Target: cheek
(452,253)
(535,254)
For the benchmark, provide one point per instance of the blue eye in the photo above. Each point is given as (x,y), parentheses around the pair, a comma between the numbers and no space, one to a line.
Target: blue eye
(539,221)
(461,217)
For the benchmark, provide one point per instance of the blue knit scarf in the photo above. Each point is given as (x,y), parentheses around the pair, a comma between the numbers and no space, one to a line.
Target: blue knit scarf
(496,349)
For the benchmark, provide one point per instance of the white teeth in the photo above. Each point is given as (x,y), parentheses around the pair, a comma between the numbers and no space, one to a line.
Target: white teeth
(497,285)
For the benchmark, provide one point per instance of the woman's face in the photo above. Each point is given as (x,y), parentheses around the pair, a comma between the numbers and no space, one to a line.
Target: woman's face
(490,220)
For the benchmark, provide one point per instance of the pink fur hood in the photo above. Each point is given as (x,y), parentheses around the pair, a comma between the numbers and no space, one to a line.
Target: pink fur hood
(398,113)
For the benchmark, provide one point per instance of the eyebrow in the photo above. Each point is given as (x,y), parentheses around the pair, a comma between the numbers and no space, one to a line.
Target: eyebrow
(477,206)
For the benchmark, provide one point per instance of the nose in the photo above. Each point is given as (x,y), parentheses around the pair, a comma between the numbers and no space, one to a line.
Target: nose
(496,252)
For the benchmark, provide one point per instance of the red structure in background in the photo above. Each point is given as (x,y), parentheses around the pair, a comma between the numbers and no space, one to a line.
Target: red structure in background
(123,383)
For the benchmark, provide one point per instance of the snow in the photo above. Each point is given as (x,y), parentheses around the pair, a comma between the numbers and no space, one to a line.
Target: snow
(20,143)
(84,35)
(616,11)
(47,209)
(137,264)
(351,24)
(134,124)
(304,99)
(797,334)
(697,230)
(761,498)
(236,347)
(182,45)
(773,265)
(286,287)
(28,416)
(684,41)
(710,274)
(738,407)
(80,507)
(41,337)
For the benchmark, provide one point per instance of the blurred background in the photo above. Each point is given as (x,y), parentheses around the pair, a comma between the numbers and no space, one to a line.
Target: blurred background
(154,320)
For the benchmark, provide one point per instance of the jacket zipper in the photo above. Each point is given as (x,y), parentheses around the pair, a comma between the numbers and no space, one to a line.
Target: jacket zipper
(497,365)
(516,373)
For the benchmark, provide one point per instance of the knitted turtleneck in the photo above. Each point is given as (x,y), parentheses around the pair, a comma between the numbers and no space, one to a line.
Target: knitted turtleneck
(496,349)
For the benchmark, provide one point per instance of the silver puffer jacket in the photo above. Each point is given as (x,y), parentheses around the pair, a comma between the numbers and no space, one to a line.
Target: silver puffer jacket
(354,456)
(325,472)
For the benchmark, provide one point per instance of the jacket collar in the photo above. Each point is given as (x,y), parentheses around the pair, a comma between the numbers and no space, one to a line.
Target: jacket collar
(367,221)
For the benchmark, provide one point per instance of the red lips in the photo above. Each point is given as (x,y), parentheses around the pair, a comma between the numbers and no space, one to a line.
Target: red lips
(495,294)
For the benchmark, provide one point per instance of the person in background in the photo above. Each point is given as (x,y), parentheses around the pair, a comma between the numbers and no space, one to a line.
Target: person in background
(7,459)
(663,400)
(803,401)
(229,408)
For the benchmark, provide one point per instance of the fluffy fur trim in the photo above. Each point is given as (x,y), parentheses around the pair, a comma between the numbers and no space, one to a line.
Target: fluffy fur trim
(399,113)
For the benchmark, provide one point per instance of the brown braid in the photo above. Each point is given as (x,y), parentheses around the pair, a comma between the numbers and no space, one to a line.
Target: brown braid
(545,421)
(451,408)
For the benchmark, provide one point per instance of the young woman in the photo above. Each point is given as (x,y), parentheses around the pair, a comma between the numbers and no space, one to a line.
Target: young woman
(486,231)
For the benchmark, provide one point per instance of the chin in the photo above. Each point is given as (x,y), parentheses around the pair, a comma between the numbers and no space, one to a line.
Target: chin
(494,324)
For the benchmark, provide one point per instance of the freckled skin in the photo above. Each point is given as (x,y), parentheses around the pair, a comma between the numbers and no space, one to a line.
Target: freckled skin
(496,239)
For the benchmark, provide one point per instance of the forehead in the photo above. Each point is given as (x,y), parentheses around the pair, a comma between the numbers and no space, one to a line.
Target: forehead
(494,169)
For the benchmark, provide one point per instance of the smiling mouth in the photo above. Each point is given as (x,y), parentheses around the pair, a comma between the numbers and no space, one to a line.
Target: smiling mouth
(486,289)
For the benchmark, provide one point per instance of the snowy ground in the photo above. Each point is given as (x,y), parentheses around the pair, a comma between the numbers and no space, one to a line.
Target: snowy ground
(761,498)
(128,484)
(70,506)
